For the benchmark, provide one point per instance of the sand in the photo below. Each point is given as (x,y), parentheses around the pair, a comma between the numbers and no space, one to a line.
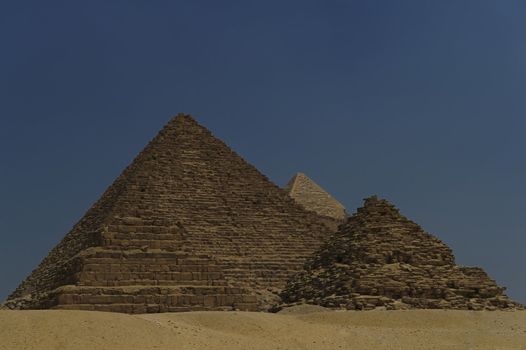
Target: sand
(295,329)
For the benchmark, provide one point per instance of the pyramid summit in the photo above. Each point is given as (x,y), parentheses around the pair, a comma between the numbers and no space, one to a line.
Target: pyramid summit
(379,258)
(314,198)
(188,225)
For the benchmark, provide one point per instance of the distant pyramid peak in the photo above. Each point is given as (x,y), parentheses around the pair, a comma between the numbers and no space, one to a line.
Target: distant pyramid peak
(313,197)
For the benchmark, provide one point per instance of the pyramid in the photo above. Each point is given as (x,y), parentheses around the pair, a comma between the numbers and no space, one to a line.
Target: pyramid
(189,225)
(314,198)
(379,258)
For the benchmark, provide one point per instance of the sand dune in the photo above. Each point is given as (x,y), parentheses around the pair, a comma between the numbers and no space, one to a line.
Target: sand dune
(415,329)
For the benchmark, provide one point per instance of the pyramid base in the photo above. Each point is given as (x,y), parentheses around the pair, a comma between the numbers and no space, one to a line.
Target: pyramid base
(370,302)
(142,299)
(398,286)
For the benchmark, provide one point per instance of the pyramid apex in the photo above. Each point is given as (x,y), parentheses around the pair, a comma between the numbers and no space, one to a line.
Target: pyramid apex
(185,121)
(183,117)
(373,197)
(373,201)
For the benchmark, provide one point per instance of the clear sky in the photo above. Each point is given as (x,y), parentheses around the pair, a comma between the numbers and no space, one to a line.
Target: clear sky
(421,102)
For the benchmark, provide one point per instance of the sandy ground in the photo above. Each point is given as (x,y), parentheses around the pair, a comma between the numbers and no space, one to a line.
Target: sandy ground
(300,329)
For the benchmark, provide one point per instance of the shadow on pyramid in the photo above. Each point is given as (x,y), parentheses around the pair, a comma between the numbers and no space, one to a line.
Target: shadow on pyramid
(379,258)
(189,225)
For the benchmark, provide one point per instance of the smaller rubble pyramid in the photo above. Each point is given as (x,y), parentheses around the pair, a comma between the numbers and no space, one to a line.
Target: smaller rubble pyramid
(314,198)
(379,258)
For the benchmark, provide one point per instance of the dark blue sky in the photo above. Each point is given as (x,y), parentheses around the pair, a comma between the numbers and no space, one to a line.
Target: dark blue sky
(421,102)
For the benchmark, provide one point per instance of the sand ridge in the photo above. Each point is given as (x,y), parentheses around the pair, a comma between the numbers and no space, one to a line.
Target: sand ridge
(410,329)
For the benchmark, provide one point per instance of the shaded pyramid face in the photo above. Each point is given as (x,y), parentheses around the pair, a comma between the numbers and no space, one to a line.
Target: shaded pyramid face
(379,258)
(189,225)
(314,198)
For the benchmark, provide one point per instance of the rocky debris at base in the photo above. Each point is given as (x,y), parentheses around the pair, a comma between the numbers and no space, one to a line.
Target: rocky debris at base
(27,302)
(301,309)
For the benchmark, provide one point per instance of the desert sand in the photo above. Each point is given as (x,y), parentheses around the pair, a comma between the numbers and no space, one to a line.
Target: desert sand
(296,329)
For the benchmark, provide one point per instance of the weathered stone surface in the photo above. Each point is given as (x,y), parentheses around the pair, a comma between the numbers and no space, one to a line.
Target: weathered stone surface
(314,198)
(380,258)
(189,225)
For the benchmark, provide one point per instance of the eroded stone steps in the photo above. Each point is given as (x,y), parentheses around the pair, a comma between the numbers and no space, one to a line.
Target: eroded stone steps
(147,278)
(146,308)
(156,267)
(144,244)
(140,299)
(141,240)
(93,265)
(252,242)
(182,257)
(142,229)
(150,282)
(268,260)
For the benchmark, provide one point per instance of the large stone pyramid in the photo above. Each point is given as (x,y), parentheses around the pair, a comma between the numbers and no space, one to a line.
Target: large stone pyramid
(189,225)
(312,197)
(380,258)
